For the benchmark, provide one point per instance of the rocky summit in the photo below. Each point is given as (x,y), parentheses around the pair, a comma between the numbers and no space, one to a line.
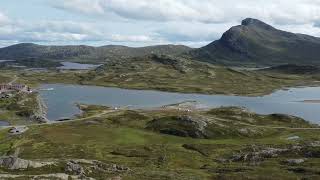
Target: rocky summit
(257,43)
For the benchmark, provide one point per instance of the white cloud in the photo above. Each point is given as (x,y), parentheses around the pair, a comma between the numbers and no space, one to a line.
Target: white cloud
(205,11)
(302,29)
(85,6)
(131,38)
(4,20)
(69,32)
(148,22)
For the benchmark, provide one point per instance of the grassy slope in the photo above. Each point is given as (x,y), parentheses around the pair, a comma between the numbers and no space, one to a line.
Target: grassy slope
(121,138)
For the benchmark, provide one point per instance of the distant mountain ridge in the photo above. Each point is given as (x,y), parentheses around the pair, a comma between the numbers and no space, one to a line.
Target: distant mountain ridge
(257,43)
(253,43)
(82,52)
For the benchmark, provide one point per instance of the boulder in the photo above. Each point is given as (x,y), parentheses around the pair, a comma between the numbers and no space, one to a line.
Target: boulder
(14,163)
(18,130)
(74,168)
(294,161)
(185,126)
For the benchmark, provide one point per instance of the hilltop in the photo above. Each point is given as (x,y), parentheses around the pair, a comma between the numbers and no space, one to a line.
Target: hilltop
(259,44)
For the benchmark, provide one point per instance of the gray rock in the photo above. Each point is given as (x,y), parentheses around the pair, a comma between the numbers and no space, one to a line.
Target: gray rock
(294,161)
(39,118)
(293,138)
(256,157)
(74,168)
(199,123)
(111,168)
(315,144)
(13,163)
(18,130)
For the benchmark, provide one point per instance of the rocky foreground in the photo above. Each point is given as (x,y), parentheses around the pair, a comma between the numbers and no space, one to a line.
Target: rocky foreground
(173,142)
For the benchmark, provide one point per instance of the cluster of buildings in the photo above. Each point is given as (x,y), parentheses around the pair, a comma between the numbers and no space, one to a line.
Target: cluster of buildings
(6,88)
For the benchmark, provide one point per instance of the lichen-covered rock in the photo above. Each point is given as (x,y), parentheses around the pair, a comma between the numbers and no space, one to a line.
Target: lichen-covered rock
(74,168)
(256,156)
(14,163)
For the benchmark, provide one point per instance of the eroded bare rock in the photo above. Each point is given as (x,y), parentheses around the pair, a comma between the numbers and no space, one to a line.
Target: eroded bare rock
(256,155)
(74,168)
(15,163)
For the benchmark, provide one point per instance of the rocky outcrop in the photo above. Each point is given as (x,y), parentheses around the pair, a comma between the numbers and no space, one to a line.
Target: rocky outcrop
(39,118)
(185,126)
(59,176)
(294,161)
(257,156)
(82,167)
(15,163)
(254,155)
(109,168)
(40,113)
(74,168)
(18,130)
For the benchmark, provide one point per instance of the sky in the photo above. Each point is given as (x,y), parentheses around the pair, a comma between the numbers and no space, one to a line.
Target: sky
(138,23)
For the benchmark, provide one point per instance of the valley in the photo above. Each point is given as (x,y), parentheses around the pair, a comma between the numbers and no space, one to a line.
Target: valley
(244,106)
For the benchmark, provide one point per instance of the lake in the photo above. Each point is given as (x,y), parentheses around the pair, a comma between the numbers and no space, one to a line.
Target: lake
(77,66)
(61,100)
(4,123)
(2,61)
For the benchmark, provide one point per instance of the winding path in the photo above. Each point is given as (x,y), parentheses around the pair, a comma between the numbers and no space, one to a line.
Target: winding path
(14,80)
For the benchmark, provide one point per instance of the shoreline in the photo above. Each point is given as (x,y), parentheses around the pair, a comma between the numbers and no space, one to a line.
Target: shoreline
(41,113)
(284,88)
(310,101)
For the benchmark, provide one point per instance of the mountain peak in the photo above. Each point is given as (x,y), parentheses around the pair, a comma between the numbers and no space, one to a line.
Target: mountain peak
(255,42)
(256,23)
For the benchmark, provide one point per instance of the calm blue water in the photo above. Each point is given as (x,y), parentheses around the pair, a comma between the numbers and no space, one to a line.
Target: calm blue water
(77,66)
(2,60)
(4,123)
(61,101)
